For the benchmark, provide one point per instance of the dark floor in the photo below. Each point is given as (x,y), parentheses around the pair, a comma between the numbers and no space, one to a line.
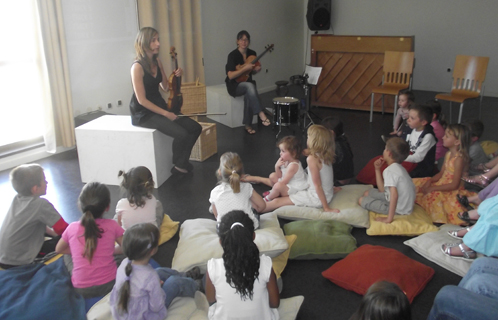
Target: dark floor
(187,198)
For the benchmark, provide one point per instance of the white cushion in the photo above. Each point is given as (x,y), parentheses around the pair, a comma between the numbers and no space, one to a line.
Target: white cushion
(199,242)
(345,200)
(186,309)
(429,244)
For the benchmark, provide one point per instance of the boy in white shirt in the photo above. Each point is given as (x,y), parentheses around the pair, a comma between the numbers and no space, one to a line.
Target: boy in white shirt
(396,191)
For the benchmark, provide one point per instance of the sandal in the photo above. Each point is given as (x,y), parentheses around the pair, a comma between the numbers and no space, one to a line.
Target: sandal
(464,202)
(250,130)
(266,122)
(466,217)
(467,255)
(480,181)
(454,233)
(481,167)
(266,193)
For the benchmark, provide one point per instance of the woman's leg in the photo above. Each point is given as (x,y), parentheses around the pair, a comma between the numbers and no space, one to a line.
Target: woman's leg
(252,103)
(183,130)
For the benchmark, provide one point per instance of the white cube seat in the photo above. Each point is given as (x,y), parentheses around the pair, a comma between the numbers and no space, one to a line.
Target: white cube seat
(111,143)
(219,101)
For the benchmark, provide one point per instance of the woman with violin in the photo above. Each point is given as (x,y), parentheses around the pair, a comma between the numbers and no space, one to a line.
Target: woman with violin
(148,108)
(238,67)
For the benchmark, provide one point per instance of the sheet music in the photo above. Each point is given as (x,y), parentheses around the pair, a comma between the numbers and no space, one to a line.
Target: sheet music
(313,74)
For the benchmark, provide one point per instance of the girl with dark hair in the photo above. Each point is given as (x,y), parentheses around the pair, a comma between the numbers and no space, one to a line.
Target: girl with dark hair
(140,205)
(90,242)
(242,283)
(140,291)
(383,301)
(236,66)
(148,108)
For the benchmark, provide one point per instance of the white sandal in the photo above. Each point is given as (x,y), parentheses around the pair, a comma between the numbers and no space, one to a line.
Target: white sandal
(468,255)
(454,233)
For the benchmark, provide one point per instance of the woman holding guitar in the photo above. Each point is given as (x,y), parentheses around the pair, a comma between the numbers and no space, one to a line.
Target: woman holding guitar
(148,108)
(237,68)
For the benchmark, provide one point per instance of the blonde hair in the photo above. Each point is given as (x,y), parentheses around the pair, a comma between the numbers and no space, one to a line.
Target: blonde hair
(142,44)
(231,168)
(321,143)
(462,134)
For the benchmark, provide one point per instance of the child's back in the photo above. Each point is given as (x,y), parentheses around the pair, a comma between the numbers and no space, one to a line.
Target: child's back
(396,175)
(225,200)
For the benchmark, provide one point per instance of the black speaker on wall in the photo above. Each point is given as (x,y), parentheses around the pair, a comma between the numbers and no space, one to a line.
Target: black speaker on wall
(318,14)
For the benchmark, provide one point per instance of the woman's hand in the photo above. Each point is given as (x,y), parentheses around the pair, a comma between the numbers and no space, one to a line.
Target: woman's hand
(178,72)
(170,115)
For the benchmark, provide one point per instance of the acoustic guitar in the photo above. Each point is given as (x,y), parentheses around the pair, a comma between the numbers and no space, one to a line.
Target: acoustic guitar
(175,100)
(253,60)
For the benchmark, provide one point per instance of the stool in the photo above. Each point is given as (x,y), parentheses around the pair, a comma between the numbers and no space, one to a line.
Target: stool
(111,143)
(219,101)
(282,89)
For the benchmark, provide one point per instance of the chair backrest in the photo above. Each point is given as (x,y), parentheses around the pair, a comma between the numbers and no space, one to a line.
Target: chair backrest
(469,73)
(398,67)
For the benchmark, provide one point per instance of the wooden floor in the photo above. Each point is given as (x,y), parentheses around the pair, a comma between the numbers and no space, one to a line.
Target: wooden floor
(187,198)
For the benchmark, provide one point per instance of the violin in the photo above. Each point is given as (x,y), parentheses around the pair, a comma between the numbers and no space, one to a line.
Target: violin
(175,100)
(253,60)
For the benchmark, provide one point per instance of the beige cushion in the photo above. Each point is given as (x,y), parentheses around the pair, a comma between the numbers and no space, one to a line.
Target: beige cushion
(345,200)
(199,242)
(418,222)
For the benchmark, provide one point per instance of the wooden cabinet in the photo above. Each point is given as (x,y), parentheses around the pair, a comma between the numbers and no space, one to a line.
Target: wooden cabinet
(351,66)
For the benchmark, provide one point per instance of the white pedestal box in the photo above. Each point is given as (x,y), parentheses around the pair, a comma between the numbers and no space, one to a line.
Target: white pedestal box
(219,101)
(111,143)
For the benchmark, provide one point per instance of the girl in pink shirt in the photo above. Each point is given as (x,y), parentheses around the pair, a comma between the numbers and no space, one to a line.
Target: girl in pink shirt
(90,243)
(438,124)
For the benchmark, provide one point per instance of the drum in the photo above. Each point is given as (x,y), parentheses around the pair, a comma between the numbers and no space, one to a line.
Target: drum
(285,111)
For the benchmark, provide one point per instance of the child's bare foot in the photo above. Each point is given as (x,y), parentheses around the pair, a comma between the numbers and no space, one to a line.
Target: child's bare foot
(337,189)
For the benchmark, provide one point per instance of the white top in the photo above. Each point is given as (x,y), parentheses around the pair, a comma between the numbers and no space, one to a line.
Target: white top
(299,181)
(418,154)
(229,304)
(132,215)
(309,197)
(397,176)
(225,200)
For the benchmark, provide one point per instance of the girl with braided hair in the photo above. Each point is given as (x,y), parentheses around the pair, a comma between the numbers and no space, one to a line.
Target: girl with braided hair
(90,243)
(233,194)
(242,283)
(140,291)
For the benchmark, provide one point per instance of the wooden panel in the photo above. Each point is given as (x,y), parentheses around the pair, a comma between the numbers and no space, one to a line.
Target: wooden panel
(351,66)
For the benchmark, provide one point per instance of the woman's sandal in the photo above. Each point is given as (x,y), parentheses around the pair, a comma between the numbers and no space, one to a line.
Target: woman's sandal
(464,202)
(480,181)
(250,130)
(454,233)
(480,167)
(466,217)
(467,255)
(266,122)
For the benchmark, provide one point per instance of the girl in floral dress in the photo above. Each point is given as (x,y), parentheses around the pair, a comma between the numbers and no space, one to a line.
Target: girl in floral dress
(437,195)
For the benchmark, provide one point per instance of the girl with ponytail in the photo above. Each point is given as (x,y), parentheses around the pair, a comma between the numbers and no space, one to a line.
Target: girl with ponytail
(137,293)
(90,243)
(233,194)
(242,283)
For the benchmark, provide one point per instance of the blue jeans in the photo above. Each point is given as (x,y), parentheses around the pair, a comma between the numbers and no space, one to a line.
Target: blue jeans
(476,296)
(176,284)
(252,104)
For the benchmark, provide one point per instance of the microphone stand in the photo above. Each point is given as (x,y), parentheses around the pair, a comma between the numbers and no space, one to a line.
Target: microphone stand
(307,87)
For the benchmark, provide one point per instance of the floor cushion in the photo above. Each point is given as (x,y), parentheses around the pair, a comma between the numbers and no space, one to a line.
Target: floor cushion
(414,224)
(168,229)
(199,242)
(369,264)
(429,246)
(320,239)
(490,148)
(345,200)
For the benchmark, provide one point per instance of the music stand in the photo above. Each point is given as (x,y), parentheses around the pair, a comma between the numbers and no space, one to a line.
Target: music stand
(310,78)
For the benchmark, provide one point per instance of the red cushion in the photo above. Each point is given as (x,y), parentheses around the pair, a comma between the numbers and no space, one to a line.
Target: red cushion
(367,174)
(369,264)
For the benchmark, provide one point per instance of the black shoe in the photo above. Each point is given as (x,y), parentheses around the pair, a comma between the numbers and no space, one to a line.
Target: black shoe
(464,202)
(174,170)
(189,166)
(194,273)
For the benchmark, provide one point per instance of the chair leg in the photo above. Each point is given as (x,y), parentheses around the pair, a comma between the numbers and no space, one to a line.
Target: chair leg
(460,113)
(395,107)
(451,117)
(382,104)
(372,107)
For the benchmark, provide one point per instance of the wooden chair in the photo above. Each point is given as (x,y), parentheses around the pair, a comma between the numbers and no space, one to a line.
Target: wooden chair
(397,75)
(469,73)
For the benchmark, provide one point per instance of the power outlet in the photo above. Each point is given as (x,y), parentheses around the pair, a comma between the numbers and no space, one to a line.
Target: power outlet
(109,105)
(120,103)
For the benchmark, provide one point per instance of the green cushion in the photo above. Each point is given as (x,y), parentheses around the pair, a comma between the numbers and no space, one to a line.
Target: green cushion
(320,239)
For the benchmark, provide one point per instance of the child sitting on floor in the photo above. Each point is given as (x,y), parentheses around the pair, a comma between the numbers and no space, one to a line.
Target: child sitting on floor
(320,174)
(28,220)
(396,191)
(140,206)
(437,195)
(476,152)
(232,194)
(343,162)
(422,142)
(142,292)
(438,125)
(401,128)
(90,243)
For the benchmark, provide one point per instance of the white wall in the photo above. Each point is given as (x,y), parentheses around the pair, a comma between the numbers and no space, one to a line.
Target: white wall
(268,21)
(442,29)
(100,37)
